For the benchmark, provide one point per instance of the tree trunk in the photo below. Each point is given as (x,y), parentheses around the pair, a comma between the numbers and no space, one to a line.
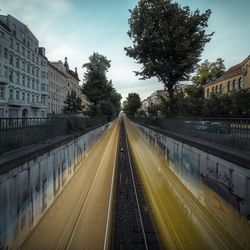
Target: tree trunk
(171,94)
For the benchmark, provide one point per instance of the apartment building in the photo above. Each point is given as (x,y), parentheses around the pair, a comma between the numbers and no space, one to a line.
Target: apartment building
(154,99)
(58,89)
(62,80)
(235,78)
(23,71)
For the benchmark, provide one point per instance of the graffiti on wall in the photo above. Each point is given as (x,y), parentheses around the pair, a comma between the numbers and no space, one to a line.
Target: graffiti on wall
(27,191)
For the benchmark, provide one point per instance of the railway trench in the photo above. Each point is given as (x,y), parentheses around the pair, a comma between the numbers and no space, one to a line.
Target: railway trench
(125,196)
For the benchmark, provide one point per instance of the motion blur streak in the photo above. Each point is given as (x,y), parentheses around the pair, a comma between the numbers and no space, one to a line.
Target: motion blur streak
(182,222)
(78,218)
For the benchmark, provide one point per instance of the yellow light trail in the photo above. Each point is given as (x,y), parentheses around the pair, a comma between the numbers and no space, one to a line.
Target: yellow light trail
(181,220)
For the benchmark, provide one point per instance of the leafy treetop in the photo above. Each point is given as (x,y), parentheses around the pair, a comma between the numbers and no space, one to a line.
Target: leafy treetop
(167,40)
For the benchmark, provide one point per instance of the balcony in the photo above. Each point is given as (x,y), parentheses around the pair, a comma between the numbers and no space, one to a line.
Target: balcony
(4,41)
(38,105)
(14,102)
(4,80)
(44,92)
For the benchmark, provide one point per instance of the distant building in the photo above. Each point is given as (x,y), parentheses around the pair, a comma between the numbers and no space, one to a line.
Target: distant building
(235,78)
(58,89)
(144,105)
(23,71)
(62,81)
(154,99)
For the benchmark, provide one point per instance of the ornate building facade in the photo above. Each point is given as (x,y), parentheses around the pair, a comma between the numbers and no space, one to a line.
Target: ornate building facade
(23,71)
(62,80)
(235,78)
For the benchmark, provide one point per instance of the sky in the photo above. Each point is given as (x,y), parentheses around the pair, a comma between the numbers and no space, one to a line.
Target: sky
(77,28)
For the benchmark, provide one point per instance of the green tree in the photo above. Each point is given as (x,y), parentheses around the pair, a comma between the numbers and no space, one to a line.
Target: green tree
(105,107)
(73,104)
(153,110)
(115,99)
(96,86)
(234,104)
(132,104)
(167,40)
(207,72)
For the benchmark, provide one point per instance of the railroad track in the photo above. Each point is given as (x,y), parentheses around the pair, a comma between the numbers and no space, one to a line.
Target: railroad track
(80,218)
(133,228)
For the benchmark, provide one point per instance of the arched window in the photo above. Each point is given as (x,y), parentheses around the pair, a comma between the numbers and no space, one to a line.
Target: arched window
(233,85)
(213,90)
(208,92)
(228,86)
(221,88)
(240,83)
(216,89)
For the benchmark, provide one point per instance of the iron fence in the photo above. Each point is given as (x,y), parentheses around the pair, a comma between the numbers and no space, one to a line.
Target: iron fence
(19,132)
(232,132)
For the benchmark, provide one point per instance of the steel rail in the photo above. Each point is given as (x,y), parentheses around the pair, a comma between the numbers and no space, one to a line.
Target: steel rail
(136,195)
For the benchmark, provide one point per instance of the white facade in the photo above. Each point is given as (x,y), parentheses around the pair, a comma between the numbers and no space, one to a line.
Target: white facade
(23,71)
(62,81)
(58,89)
(156,97)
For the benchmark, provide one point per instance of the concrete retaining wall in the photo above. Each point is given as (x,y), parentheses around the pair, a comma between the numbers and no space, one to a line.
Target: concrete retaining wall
(195,168)
(27,191)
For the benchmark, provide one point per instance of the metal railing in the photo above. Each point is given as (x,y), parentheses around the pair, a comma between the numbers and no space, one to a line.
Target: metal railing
(231,132)
(19,132)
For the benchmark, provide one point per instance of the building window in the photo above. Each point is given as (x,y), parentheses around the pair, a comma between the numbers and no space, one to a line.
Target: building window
(17,95)
(216,89)
(28,54)
(14,30)
(37,99)
(29,42)
(207,92)
(33,58)
(228,86)
(28,98)
(33,84)
(37,86)
(11,59)
(37,72)
(33,98)
(23,51)
(28,68)
(43,99)
(17,47)
(36,60)
(17,63)
(43,75)
(6,71)
(240,83)
(17,78)
(11,43)
(43,88)
(28,83)
(2,93)
(23,37)
(11,76)
(33,71)
(220,88)
(233,85)
(5,53)
(23,96)
(23,80)
(11,94)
